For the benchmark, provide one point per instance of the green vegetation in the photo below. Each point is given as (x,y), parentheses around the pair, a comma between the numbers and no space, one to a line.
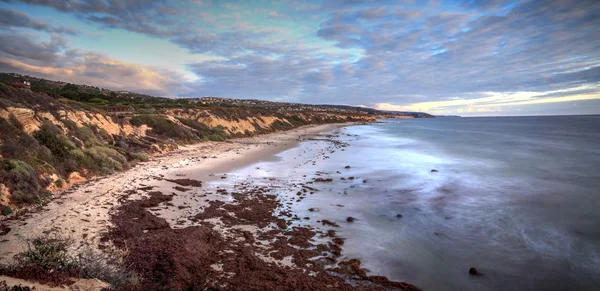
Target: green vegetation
(47,259)
(52,149)
(21,179)
(47,254)
(204,132)
(139,157)
(28,160)
(165,128)
(104,160)
(6,210)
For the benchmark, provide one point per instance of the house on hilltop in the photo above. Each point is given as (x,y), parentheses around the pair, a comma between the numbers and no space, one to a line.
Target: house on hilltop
(22,84)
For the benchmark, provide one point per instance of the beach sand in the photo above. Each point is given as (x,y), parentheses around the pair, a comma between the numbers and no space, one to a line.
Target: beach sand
(82,212)
(166,216)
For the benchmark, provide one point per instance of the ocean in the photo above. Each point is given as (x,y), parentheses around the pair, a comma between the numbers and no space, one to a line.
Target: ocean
(518,198)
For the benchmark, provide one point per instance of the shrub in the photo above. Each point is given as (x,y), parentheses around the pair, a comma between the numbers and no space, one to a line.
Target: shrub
(5,287)
(47,258)
(164,127)
(15,122)
(201,127)
(21,179)
(99,266)
(216,133)
(46,253)
(104,135)
(70,124)
(215,137)
(139,156)
(6,210)
(86,135)
(106,160)
(52,137)
(98,101)
(59,183)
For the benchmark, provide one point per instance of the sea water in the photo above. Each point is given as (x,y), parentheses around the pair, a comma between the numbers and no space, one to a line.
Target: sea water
(518,198)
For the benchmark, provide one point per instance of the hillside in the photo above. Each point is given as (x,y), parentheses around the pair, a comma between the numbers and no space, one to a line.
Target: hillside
(51,138)
(96,96)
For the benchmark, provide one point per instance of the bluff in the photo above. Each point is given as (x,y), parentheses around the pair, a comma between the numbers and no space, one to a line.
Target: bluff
(49,141)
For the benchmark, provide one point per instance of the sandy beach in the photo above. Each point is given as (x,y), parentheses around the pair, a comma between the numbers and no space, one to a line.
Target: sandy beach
(82,212)
(169,209)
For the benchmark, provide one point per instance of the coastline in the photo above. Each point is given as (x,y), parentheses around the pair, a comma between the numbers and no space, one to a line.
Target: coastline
(102,214)
(84,205)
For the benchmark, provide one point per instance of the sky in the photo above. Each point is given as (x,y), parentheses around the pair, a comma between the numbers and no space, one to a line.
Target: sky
(468,58)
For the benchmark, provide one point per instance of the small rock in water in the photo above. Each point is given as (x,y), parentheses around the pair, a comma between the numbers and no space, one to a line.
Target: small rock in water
(328,222)
(350,219)
(434,170)
(347,167)
(474,272)
(399,215)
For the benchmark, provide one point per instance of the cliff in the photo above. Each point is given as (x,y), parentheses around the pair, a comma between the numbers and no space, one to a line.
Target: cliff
(49,142)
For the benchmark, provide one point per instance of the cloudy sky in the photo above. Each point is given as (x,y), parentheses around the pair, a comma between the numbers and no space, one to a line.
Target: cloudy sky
(471,57)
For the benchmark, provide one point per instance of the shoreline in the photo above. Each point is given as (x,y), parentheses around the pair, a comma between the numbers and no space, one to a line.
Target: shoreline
(160,209)
(82,208)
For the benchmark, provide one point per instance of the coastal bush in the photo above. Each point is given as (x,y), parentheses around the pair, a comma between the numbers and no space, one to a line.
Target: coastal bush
(15,122)
(6,210)
(139,156)
(106,160)
(17,144)
(200,127)
(21,179)
(52,137)
(280,125)
(103,134)
(163,127)
(47,254)
(86,135)
(95,265)
(296,120)
(47,259)
(69,124)
(98,101)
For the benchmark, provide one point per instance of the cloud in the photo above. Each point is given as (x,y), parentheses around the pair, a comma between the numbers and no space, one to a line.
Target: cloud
(54,59)
(13,18)
(402,54)
(496,102)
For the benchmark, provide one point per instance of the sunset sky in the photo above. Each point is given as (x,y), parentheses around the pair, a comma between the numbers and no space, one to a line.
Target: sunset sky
(443,57)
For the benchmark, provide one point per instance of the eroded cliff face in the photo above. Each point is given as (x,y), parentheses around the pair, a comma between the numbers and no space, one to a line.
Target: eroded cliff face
(243,121)
(32,119)
(54,143)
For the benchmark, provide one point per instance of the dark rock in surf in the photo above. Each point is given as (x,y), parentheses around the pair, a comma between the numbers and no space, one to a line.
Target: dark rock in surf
(328,222)
(350,219)
(474,272)
(434,171)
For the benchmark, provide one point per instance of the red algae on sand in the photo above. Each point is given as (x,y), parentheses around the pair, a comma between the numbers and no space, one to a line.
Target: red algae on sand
(274,256)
